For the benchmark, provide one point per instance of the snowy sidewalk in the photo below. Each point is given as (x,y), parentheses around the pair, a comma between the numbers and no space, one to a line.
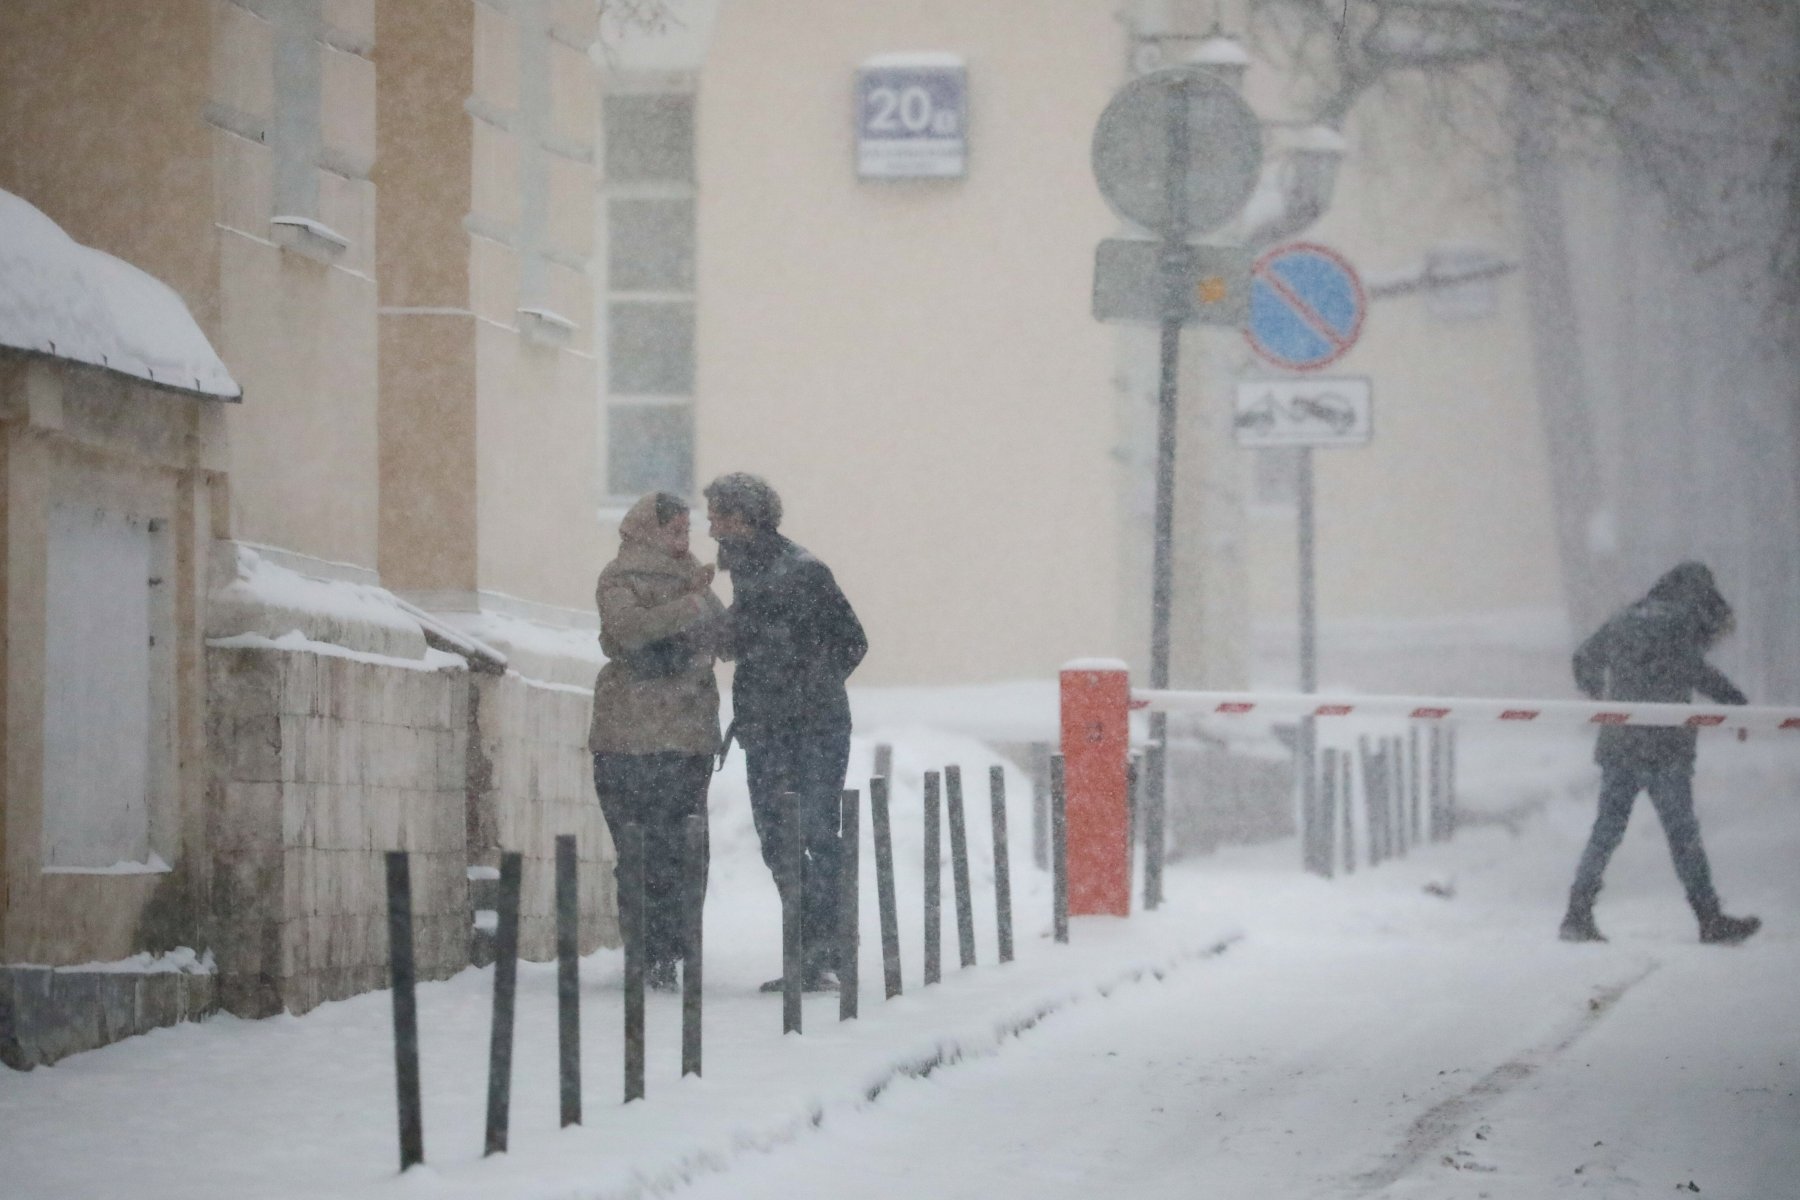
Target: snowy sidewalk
(1360,1037)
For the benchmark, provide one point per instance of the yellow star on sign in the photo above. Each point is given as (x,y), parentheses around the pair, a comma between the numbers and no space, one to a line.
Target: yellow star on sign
(1213,289)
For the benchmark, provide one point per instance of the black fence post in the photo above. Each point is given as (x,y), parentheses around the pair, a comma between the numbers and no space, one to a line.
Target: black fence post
(406,1009)
(1002,864)
(884,885)
(1040,805)
(1324,819)
(1396,758)
(1134,778)
(1347,784)
(506,979)
(1308,771)
(793,903)
(1156,825)
(1435,765)
(631,910)
(1370,764)
(568,981)
(693,925)
(959,866)
(849,908)
(1059,850)
(1415,786)
(1450,783)
(933,884)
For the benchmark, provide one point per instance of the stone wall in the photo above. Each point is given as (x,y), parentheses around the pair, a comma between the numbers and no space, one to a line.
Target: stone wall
(530,780)
(321,763)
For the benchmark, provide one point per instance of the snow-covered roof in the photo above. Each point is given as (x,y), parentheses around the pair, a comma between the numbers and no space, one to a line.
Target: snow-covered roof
(61,298)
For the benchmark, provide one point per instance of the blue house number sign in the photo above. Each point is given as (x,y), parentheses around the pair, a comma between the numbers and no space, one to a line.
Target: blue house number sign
(912,117)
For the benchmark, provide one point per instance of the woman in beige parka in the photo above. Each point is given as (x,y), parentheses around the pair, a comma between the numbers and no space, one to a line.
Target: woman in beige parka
(656,711)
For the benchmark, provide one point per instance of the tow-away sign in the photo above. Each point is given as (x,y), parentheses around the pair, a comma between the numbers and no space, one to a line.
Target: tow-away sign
(1335,411)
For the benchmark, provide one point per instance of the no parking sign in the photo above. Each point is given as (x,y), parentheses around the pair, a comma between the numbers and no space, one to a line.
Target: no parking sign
(1306,306)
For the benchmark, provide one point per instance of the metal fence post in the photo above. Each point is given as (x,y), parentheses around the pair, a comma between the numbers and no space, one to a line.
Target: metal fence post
(1059,850)
(1347,783)
(406,1009)
(793,905)
(568,981)
(959,865)
(694,925)
(631,908)
(506,977)
(849,914)
(933,880)
(884,885)
(1156,825)
(1002,864)
(1324,822)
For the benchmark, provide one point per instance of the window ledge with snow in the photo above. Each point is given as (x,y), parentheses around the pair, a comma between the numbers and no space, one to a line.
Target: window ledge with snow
(546,327)
(314,239)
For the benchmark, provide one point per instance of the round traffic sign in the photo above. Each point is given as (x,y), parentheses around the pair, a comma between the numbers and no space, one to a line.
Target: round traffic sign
(1154,123)
(1306,306)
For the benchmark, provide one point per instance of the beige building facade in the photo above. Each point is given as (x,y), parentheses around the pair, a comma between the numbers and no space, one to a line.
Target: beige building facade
(375,220)
(914,363)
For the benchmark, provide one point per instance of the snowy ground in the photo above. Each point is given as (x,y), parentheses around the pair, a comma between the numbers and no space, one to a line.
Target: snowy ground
(1264,1034)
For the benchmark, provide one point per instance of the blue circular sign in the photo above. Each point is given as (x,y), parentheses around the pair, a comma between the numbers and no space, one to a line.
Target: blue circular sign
(1306,306)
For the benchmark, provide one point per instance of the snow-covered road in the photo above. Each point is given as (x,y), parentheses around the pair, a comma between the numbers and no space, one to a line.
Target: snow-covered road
(1392,1045)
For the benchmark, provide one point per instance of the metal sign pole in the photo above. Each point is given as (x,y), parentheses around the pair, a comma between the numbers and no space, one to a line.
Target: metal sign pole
(1307,750)
(1162,585)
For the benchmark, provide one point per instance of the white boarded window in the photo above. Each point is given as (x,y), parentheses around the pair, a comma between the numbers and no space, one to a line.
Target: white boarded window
(105,614)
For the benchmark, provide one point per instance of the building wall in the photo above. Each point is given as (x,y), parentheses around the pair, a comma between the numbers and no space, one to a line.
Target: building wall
(912,363)
(1438,537)
(297,318)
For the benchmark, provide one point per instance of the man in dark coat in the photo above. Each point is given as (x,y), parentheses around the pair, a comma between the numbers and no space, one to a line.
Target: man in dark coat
(796,640)
(1654,650)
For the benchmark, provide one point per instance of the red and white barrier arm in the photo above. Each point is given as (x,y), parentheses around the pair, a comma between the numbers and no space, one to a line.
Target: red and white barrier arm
(1563,713)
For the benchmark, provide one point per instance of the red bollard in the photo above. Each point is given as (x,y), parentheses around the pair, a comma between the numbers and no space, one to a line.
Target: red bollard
(1096,701)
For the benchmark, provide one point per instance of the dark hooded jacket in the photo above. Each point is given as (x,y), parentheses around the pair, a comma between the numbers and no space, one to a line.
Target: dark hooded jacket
(1654,650)
(794,635)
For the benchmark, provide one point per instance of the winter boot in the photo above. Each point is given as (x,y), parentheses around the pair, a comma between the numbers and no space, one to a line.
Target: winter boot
(1721,930)
(1578,926)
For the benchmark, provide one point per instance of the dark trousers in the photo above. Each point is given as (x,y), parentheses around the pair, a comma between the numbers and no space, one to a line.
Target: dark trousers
(1672,793)
(796,787)
(657,792)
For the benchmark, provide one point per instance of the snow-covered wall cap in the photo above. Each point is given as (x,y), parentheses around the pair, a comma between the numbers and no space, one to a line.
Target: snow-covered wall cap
(1096,664)
(70,301)
(919,58)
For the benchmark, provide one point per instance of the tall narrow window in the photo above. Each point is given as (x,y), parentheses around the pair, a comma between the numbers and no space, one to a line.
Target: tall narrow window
(650,354)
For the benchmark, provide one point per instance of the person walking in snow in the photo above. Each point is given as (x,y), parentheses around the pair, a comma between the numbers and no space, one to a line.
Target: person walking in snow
(656,713)
(796,640)
(1653,650)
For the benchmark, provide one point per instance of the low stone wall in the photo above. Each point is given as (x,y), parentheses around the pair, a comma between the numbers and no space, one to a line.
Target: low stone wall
(530,779)
(48,1013)
(321,763)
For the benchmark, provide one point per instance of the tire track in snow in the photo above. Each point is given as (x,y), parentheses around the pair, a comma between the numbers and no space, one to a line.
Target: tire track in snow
(1438,1124)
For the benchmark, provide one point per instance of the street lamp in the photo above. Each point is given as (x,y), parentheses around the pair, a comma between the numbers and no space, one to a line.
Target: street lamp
(1223,55)
(1298,189)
